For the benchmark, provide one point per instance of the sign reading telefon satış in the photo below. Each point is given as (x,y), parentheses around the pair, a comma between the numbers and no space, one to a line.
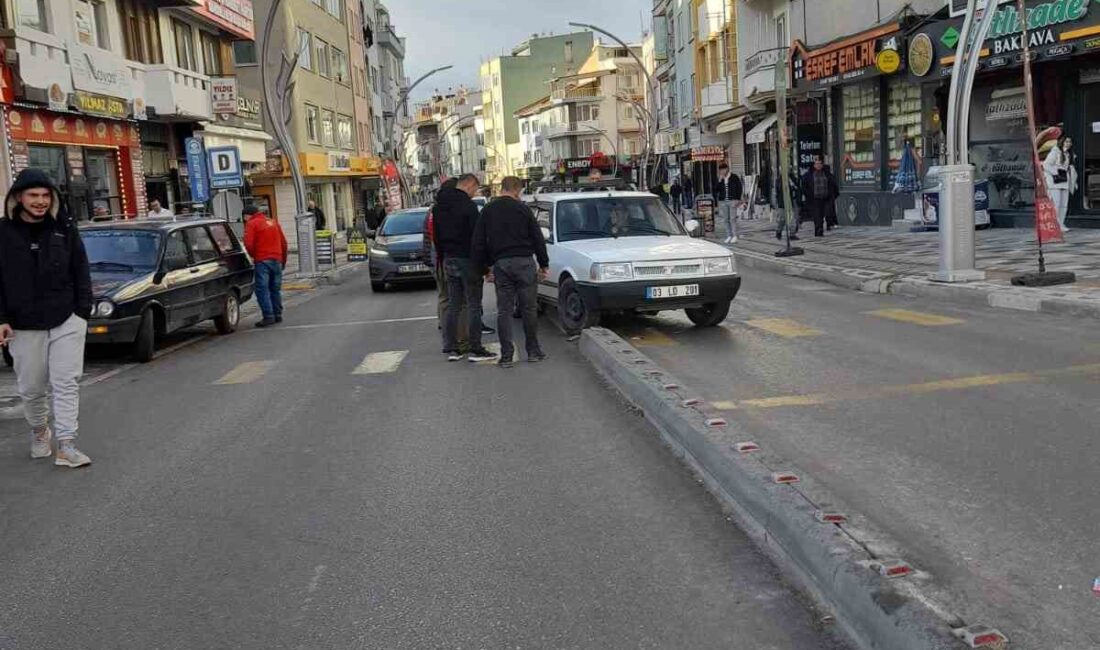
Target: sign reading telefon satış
(811,144)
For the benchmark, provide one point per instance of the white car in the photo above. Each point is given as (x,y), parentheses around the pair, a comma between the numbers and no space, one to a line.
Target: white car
(626,252)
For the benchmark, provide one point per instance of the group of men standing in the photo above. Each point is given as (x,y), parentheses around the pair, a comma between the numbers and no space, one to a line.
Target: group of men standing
(502,244)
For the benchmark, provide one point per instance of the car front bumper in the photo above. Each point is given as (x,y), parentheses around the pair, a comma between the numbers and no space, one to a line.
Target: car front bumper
(113,330)
(614,296)
(383,269)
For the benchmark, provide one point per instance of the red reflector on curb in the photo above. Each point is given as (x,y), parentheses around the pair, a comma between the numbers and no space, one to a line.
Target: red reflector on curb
(980,636)
(830,517)
(893,568)
(746,447)
(785,477)
(694,401)
(626,351)
(716,422)
(1096,586)
(653,373)
(671,386)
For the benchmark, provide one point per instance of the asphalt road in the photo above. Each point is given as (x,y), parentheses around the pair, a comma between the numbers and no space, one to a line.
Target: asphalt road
(968,434)
(334,483)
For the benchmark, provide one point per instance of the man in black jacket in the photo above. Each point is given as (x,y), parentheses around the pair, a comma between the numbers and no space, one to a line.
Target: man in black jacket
(454,217)
(318,215)
(508,238)
(727,194)
(819,189)
(45,303)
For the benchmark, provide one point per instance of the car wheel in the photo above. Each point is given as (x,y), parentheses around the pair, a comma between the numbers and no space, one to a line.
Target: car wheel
(145,345)
(709,314)
(377,287)
(231,315)
(572,310)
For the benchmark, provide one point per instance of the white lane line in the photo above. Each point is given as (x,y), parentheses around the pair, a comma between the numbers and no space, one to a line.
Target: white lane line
(355,323)
(380,363)
(246,373)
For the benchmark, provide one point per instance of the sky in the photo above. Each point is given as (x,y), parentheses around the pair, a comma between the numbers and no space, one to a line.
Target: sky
(464,33)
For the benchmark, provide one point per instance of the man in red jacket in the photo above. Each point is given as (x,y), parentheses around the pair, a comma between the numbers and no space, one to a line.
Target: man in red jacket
(266,243)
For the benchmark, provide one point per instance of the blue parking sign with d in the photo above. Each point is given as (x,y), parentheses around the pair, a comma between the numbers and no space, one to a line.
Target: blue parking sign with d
(225,167)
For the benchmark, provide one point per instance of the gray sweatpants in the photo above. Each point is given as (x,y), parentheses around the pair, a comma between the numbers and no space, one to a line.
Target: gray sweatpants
(54,360)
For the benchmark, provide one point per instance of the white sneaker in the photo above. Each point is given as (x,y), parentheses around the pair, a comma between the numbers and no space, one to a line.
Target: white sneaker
(69,456)
(40,446)
(726,240)
(732,240)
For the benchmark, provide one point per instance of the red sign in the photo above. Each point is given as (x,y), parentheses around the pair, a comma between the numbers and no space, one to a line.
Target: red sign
(234,16)
(58,128)
(1046,221)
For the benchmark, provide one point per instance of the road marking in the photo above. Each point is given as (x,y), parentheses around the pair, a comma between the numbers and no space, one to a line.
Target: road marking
(783,327)
(651,337)
(246,373)
(916,317)
(863,393)
(354,323)
(380,363)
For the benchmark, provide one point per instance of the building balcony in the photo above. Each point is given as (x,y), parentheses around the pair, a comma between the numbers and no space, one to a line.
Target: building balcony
(177,93)
(718,97)
(584,127)
(588,92)
(387,38)
(758,76)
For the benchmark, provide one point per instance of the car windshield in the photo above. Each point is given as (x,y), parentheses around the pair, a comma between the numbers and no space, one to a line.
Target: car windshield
(615,217)
(404,223)
(121,250)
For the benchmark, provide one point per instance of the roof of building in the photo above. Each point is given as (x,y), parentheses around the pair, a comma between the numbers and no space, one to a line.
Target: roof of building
(533,108)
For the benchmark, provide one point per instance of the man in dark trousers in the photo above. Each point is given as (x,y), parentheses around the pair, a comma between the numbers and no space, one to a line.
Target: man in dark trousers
(318,215)
(45,303)
(818,191)
(265,242)
(454,217)
(677,194)
(508,239)
(727,194)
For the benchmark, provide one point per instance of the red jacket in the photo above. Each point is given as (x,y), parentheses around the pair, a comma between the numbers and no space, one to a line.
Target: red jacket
(264,239)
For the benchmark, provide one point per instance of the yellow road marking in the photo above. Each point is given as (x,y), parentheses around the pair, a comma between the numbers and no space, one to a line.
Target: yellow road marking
(783,327)
(876,392)
(654,338)
(915,317)
(246,373)
(380,363)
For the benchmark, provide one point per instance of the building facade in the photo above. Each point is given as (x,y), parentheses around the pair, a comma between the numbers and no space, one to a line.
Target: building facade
(386,76)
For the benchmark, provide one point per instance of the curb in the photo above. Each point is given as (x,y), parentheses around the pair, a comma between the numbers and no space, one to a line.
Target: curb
(975,294)
(840,559)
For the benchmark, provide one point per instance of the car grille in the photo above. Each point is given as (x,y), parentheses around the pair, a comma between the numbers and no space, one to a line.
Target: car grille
(409,257)
(678,269)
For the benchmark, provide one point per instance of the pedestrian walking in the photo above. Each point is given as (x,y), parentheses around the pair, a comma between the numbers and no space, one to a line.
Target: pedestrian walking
(45,303)
(508,240)
(455,216)
(266,243)
(830,208)
(818,191)
(727,193)
(1060,172)
(318,215)
(677,194)
(688,186)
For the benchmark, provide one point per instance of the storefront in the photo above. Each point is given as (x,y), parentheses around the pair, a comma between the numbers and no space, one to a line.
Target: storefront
(96,162)
(1064,37)
(855,107)
(329,180)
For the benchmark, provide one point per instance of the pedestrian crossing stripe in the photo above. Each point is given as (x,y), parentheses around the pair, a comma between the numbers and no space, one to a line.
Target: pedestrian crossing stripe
(380,363)
(783,327)
(915,317)
(246,373)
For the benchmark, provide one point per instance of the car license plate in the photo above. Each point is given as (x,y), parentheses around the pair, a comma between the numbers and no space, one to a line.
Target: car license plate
(412,268)
(677,291)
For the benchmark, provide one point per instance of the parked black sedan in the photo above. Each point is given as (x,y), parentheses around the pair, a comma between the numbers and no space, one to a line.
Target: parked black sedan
(399,254)
(152,276)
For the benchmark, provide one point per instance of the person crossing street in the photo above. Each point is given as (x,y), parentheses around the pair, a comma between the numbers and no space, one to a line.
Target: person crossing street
(266,243)
(508,240)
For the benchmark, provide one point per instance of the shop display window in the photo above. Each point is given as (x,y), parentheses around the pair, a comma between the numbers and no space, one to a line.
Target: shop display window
(860,119)
(903,119)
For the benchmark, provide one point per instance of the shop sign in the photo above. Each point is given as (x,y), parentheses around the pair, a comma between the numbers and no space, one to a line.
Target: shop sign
(196,170)
(888,61)
(97,72)
(101,105)
(708,154)
(225,167)
(339,161)
(1012,107)
(357,246)
(66,128)
(761,60)
(235,16)
(810,144)
(223,95)
(7,81)
(577,164)
(851,59)
(921,55)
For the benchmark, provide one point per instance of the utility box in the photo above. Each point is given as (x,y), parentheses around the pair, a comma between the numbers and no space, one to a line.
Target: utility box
(956,220)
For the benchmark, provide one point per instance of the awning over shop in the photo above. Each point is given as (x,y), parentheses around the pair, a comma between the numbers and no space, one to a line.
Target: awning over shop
(730,125)
(252,143)
(759,133)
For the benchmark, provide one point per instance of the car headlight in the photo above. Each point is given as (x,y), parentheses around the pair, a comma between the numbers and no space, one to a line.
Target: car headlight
(379,252)
(103,309)
(612,272)
(718,266)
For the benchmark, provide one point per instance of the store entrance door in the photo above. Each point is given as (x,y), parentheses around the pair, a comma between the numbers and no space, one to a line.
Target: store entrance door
(1090,184)
(101,169)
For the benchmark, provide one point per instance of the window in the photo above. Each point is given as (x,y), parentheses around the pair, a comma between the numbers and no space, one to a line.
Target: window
(685,103)
(328,129)
(587,146)
(860,121)
(321,54)
(586,112)
(305,49)
(313,127)
(628,112)
(903,120)
(378,126)
(140,31)
(781,31)
(211,54)
(175,251)
(335,8)
(339,65)
(32,13)
(226,242)
(244,53)
(184,36)
(569,51)
(90,21)
(202,247)
(343,130)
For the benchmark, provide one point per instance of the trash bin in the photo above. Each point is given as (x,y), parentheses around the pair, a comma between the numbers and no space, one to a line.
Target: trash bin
(930,200)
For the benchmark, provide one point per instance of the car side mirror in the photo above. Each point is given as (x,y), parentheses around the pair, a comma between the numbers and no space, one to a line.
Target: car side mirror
(692,227)
(546,235)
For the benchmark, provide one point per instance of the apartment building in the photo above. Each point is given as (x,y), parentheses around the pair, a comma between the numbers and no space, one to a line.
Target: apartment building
(386,77)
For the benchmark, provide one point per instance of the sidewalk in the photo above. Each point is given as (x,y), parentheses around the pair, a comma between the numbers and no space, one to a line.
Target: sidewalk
(883,260)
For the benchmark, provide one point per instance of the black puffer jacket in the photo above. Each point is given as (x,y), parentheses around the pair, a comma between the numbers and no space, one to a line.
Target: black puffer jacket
(44,275)
(454,216)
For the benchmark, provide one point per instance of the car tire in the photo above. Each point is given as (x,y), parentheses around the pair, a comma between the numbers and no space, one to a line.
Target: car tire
(377,287)
(230,318)
(572,310)
(710,314)
(145,345)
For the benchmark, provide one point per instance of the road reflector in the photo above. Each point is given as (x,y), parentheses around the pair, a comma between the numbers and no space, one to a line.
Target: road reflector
(716,422)
(746,447)
(785,478)
(893,568)
(671,386)
(980,636)
(691,401)
(826,517)
(640,361)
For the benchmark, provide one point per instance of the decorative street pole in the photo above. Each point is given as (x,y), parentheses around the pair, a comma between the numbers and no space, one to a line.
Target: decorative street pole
(399,143)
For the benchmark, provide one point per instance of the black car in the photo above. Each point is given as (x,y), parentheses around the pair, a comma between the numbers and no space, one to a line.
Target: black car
(152,276)
(399,253)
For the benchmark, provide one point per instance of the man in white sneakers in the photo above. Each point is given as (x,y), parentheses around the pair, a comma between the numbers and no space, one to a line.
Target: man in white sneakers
(45,301)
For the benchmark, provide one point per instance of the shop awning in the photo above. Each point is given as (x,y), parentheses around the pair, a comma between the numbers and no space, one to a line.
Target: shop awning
(252,143)
(730,125)
(759,133)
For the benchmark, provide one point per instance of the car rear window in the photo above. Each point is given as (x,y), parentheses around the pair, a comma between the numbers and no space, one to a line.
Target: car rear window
(225,241)
(404,223)
(136,249)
